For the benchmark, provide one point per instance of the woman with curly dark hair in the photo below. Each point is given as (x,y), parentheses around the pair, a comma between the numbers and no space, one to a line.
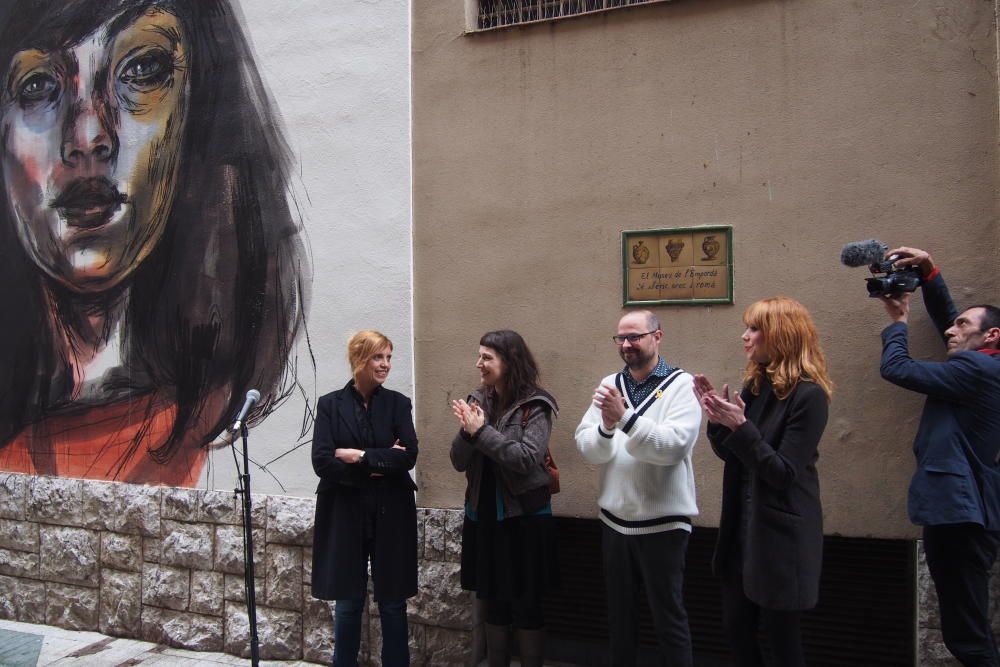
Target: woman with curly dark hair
(508,555)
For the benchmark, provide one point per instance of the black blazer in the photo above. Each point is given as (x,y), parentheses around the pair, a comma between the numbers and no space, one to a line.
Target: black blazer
(340,559)
(782,559)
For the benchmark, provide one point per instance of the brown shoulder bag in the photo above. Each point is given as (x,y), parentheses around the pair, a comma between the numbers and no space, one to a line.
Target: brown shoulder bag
(548,462)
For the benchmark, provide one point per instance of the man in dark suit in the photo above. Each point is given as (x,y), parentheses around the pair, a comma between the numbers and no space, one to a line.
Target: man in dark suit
(955,491)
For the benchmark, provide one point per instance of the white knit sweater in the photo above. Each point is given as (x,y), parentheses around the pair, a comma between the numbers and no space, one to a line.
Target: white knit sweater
(647,480)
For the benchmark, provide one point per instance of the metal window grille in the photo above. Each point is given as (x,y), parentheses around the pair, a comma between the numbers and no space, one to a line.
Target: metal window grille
(500,13)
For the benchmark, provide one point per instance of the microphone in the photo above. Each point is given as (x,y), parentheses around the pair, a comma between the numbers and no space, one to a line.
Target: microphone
(863,253)
(252,397)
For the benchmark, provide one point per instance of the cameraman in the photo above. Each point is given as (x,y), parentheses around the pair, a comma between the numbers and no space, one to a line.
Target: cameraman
(955,491)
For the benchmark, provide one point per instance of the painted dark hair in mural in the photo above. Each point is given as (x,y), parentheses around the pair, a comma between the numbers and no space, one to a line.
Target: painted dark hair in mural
(216,305)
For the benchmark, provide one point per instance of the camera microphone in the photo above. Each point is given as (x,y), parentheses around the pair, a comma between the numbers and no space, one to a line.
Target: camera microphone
(863,253)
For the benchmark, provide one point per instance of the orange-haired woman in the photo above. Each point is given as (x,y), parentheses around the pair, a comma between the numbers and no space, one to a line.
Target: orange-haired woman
(770,547)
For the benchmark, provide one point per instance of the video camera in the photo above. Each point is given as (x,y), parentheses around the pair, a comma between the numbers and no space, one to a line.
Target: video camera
(886,279)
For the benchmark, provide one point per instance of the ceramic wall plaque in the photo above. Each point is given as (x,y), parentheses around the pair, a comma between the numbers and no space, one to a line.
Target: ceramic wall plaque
(683,265)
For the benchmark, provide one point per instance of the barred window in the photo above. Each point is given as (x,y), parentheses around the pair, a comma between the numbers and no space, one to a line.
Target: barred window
(501,13)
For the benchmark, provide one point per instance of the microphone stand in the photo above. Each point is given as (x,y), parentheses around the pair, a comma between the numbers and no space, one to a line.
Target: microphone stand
(248,572)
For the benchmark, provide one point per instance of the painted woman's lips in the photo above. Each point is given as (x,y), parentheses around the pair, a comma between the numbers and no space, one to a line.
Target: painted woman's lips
(88,202)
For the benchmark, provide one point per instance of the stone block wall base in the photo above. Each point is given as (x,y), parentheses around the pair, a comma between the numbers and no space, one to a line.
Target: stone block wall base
(166,565)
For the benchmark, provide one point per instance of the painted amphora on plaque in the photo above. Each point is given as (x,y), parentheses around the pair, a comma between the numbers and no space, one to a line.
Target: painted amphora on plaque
(711,247)
(674,248)
(640,253)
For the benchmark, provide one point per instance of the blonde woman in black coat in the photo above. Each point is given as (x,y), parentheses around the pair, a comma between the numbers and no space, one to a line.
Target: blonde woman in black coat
(770,548)
(364,446)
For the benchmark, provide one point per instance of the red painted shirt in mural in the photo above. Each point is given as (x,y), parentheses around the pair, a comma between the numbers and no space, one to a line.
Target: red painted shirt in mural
(109,442)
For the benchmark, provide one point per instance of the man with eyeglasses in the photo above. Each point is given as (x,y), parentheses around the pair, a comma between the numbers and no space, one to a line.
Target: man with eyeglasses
(641,429)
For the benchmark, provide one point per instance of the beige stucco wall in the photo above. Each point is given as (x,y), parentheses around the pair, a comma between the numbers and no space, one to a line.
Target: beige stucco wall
(803,124)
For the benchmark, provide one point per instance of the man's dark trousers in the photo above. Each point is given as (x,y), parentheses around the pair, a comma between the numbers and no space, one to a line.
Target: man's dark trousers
(959,557)
(654,562)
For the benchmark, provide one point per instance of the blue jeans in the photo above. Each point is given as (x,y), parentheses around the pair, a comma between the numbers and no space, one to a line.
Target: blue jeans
(347,633)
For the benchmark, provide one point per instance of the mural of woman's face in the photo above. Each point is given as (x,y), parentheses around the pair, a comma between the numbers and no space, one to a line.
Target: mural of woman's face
(91,147)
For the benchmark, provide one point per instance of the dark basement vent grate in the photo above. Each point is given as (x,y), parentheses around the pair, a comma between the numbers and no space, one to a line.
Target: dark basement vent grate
(865,615)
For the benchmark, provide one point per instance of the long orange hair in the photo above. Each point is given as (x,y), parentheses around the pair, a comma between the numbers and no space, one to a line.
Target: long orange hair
(792,343)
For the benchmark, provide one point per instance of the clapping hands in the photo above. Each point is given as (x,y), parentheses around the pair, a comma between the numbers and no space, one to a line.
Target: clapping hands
(719,407)
(470,417)
(611,403)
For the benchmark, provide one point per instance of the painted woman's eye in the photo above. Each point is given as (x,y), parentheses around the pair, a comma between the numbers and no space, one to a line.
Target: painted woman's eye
(148,70)
(38,87)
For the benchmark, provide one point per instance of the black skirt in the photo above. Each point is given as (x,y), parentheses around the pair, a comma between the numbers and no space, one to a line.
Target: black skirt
(509,559)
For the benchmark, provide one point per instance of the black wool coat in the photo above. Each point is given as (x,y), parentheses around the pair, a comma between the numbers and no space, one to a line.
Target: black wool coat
(340,560)
(783,554)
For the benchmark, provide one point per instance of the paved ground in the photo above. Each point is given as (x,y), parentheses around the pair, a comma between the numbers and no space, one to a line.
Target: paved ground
(27,645)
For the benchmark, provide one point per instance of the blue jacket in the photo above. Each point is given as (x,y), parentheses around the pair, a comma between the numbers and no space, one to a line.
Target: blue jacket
(957,478)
